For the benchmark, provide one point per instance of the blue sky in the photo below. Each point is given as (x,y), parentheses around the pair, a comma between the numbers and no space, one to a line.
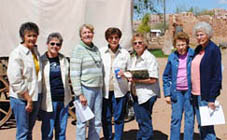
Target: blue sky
(201,4)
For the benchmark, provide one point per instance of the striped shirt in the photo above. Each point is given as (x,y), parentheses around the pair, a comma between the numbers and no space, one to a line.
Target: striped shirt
(86,68)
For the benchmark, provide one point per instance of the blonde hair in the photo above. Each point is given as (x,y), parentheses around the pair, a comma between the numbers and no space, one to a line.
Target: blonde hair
(139,35)
(88,26)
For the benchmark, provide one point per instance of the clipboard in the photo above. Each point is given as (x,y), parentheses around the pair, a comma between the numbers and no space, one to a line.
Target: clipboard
(211,117)
(84,112)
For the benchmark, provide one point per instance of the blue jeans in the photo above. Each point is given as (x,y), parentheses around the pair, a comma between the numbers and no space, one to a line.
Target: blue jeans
(55,120)
(206,132)
(183,104)
(25,121)
(94,101)
(143,114)
(115,106)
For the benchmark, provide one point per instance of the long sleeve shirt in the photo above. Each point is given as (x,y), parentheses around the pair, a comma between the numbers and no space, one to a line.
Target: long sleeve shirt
(86,67)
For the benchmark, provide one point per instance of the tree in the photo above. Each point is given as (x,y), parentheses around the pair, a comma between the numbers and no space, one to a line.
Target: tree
(194,10)
(142,7)
(144,26)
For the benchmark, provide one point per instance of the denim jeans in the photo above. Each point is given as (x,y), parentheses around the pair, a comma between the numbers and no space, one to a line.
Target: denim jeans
(25,121)
(56,120)
(206,132)
(143,114)
(94,101)
(115,106)
(183,104)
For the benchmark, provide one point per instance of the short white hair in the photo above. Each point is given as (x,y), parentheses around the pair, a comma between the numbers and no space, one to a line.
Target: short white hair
(204,27)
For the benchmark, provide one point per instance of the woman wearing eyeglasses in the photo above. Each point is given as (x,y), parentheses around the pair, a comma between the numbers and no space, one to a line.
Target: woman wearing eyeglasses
(177,87)
(86,73)
(146,89)
(206,75)
(56,90)
(116,87)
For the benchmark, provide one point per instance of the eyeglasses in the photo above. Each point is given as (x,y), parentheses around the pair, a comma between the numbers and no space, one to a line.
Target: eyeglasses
(116,38)
(139,43)
(57,44)
(181,45)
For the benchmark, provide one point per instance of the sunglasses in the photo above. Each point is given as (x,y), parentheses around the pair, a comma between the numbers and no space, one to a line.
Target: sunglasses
(57,44)
(139,43)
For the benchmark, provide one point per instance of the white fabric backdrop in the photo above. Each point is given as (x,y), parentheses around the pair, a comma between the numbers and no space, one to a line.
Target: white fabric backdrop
(64,16)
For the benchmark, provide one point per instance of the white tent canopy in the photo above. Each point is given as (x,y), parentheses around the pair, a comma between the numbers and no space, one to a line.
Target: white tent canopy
(64,16)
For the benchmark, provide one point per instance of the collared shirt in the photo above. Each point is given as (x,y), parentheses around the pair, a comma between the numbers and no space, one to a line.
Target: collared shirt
(121,61)
(111,85)
(146,62)
(21,73)
(86,68)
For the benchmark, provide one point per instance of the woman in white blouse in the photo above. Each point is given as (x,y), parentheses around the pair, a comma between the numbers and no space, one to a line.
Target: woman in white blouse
(24,74)
(147,89)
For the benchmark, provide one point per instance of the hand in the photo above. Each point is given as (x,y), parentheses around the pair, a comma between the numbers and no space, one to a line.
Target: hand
(83,100)
(131,80)
(121,73)
(211,105)
(168,100)
(29,106)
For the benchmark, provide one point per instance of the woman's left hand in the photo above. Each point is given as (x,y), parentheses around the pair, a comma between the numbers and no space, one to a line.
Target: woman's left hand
(211,105)
(29,107)
(121,73)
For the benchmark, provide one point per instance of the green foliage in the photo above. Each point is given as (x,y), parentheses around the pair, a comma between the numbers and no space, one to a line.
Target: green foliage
(195,10)
(158,53)
(144,26)
(206,12)
(181,9)
(141,7)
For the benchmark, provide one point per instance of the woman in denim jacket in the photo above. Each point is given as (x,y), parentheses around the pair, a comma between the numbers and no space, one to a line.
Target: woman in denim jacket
(177,87)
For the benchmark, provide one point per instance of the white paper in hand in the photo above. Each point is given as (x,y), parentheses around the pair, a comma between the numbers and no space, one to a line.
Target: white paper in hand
(84,112)
(213,117)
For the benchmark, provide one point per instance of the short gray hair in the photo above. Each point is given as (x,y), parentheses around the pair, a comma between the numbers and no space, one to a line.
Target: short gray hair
(55,35)
(205,27)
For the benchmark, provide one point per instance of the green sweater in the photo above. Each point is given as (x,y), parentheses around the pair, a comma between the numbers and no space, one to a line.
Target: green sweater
(86,67)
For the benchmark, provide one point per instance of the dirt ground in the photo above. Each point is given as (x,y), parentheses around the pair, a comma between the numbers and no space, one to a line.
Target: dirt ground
(161,118)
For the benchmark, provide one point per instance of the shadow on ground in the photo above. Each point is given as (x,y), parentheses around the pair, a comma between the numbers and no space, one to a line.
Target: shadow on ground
(196,136)
(131,135)
(158,135)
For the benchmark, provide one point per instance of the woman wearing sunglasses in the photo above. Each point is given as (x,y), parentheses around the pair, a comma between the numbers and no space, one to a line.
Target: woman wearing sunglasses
(146,89)
(56,90)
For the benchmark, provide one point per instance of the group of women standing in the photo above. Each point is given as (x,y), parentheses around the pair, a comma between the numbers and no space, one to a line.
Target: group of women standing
(39,84)
(100,80)
(192,79)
